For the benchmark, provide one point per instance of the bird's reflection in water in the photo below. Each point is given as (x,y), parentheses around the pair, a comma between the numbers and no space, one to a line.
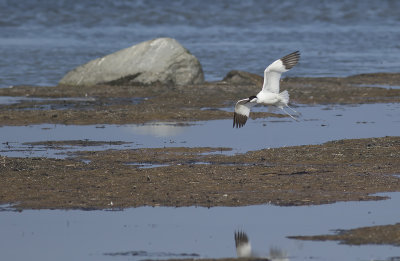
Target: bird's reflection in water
(243,249)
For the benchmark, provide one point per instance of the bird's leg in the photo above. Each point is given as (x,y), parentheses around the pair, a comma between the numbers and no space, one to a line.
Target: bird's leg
(290,115)
(298,113)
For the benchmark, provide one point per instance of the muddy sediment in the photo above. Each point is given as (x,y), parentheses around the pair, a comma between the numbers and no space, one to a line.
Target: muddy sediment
(386,234)
(303,175)
(60,144)
(139,104)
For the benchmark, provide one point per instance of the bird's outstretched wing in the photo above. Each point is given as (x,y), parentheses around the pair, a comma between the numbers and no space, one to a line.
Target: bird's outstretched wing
(272,74)
(243,247)
(242,112)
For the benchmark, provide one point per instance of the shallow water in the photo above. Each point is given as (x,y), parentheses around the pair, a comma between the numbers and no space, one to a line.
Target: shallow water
(384,86)
(160,232)
(317,124)
(7,100)
(40,41)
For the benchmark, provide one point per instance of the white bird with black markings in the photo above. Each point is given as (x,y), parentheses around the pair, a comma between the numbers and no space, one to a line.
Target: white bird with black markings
(243,247)
(269,95)
(243,250)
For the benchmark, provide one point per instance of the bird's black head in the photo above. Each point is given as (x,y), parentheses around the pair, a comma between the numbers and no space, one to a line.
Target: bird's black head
(252,97)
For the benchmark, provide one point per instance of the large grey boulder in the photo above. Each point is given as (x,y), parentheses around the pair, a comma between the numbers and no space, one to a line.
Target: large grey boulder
(161,60)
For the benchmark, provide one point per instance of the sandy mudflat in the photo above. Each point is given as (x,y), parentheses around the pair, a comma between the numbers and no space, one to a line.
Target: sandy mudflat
(140,104)
(345,170)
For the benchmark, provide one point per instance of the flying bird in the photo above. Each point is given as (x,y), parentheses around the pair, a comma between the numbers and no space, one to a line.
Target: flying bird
(269,95)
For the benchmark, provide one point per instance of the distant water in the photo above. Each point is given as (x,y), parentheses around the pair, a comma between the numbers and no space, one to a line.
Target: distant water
(42,40)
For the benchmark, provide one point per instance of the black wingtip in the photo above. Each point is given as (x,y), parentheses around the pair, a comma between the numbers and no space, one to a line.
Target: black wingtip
(240,238)
(290,60)
(239,120)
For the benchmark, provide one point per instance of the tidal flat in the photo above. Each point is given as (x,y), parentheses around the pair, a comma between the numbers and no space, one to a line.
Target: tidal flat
(208,176)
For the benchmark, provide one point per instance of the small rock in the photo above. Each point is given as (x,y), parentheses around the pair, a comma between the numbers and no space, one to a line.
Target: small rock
(243,78)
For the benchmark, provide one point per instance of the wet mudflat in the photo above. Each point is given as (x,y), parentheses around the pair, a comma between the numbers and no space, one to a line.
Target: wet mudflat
(386,234)
(303,175)
(140,104)
(106,168)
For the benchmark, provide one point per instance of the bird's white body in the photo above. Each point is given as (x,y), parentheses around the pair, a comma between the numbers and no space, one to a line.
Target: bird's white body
(244,250)
(269,94)
(271,99)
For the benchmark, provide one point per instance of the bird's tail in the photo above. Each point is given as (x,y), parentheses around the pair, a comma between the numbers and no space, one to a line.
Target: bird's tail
(284,97)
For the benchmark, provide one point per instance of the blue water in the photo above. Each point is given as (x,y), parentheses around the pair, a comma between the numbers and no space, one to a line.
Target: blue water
(318,124)
(40,41)
(164,233)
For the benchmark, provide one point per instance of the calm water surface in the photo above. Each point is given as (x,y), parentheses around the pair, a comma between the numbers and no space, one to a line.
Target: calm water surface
(317,124)
(40,41)
(143,233)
